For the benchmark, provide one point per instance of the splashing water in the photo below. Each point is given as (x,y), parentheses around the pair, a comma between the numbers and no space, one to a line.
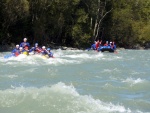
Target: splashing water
(76,81)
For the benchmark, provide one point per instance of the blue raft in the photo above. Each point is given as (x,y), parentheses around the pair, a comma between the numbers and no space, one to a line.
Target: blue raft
(106,48)
(9,56)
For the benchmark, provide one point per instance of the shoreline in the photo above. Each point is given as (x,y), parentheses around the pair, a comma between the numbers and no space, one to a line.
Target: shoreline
(7,48)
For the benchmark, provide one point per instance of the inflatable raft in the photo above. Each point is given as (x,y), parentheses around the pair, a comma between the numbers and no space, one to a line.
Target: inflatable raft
(106,48)
(16,55)
(24,54)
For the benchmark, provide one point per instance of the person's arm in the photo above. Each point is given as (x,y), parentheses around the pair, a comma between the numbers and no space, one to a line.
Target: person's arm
(47,52)
(13,51)
(42,52)
(21,45)
(50,54)
(30,50)
(38,50)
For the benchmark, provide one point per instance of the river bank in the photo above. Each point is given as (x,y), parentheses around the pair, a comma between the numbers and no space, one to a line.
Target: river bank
(6,47)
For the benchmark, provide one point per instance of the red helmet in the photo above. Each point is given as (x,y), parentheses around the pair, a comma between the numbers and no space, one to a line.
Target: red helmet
(26,47)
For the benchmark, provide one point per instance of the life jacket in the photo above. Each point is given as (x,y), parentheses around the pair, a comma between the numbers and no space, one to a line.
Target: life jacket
(93,46)
(24,44)
(50,54)
(25,53)
(112,46)
(38,50)
(17,53)
(105,44)
(26,50)
(97,45)
(44,52)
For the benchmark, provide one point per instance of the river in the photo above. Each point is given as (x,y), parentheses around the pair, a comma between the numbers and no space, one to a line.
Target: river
(76,81)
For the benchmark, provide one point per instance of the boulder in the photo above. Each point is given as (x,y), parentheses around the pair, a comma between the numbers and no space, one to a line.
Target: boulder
(147,45)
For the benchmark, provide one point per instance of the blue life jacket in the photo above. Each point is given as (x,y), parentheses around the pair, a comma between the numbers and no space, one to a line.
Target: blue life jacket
(93,47)
(15,50)
(24,44)
(44,52)
(50,54)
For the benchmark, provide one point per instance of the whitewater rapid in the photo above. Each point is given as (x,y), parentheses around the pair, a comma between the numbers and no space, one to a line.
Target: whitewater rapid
(76,81)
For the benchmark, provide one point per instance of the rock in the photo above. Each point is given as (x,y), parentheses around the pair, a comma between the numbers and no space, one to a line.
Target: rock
(64,48)
(120,48)
(70,48)
(136,46)
(147,45)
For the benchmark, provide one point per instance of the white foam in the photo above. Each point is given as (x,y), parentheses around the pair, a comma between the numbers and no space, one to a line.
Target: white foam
(133,81)
(12,76)
(58,61)
(85,56)
(111,58)
(61,57)
(111,70)
(9,76)
(55,96)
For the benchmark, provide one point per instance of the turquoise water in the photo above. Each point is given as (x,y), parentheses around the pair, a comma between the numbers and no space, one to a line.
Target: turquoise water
(76,81)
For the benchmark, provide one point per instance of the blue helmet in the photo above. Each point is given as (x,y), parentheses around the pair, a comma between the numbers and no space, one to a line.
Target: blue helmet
(48,49)
(36,44)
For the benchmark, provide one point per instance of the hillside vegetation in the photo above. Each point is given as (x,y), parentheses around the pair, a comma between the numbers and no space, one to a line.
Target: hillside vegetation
(75,23)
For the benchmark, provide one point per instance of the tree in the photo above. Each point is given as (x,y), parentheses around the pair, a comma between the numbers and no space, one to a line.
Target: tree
(130,21)
(12,11)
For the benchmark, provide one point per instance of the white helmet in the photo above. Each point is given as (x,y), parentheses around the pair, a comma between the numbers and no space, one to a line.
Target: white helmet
(17,45)
(43,47)
(25,39)
(20,48)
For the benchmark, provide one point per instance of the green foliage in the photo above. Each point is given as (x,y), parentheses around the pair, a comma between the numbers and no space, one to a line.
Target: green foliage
(73,22)
(80,38)
(15,9)
(82,16)
(130,21)
(144,35)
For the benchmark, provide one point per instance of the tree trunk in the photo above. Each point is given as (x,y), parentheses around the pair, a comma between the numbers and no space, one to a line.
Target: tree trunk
(101,13)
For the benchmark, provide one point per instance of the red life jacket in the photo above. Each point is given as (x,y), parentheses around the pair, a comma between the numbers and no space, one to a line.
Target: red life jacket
(38,50)
(97,45)
(105,44)
(16,54)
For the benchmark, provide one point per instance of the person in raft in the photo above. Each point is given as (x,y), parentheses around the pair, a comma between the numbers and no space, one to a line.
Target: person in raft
(26,50)
(50,54)
(113,46)
(21,50)
(36,49)
(25,43)
(46,52)
(106,44)
(93,47)
(16,51)
(98,44)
